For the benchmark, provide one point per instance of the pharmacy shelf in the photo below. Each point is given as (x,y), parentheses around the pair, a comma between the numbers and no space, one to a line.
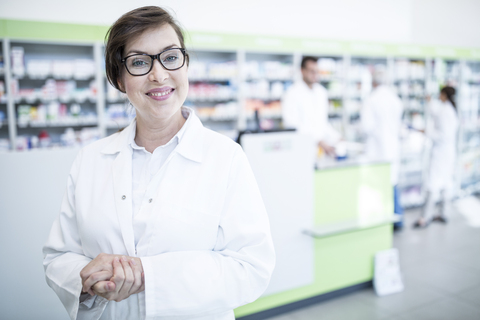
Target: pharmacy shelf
(265,76)
(227,86)
(53,89)
(5,130)
(213,88)
(469,135)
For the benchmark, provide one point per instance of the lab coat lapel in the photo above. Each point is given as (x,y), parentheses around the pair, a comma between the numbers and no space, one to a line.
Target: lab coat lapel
(122,186)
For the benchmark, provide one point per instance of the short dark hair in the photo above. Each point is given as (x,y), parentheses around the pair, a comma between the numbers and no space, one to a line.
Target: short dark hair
(449,92)
(129,26)
(306,59)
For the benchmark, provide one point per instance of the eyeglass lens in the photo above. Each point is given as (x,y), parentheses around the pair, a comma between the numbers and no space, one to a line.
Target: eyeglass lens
(140,64)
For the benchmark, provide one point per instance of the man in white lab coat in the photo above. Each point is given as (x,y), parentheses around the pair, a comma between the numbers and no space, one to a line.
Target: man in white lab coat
(305,108)
(381,120)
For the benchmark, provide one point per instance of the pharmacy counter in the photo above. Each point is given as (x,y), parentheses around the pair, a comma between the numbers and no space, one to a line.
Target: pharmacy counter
(331,251)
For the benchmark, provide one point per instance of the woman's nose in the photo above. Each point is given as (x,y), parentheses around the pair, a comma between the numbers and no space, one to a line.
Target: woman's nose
(158,72)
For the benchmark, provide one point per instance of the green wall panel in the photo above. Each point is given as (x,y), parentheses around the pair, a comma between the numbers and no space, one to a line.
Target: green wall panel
(32,30)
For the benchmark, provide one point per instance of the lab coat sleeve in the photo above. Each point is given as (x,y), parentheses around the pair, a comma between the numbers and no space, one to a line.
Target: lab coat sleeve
(330,135)
(235,273)
(367,118)
(64,259)
(431,130)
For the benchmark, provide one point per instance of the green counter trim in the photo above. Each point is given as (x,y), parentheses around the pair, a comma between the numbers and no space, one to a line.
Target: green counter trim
(39,30)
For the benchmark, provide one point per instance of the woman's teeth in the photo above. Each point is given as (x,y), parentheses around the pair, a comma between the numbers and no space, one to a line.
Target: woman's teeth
(159,94)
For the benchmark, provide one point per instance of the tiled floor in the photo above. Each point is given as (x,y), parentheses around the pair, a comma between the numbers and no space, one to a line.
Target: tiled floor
(441,273)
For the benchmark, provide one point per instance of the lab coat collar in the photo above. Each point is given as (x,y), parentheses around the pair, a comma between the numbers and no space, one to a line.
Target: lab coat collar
(305,87)
(190,138)
(190,143)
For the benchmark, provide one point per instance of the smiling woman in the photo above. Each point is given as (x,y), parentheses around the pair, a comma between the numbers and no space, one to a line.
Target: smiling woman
(163,219)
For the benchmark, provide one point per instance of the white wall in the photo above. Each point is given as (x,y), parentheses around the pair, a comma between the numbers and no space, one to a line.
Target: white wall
(28,207)
(442,22)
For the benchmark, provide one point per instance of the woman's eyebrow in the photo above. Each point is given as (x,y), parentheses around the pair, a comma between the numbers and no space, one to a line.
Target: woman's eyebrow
(143,52)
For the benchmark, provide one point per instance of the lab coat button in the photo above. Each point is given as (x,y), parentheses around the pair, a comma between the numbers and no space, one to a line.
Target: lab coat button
(150,200)
(124,197)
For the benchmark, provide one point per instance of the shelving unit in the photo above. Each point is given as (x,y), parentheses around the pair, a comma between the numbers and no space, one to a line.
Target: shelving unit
(4,134)
(332,75)
(226,87)
(213,89)
(469,133)
(53,89)
(264,79)
(410,81)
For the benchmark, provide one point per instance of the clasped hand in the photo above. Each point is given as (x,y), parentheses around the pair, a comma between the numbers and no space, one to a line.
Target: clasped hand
(113,277)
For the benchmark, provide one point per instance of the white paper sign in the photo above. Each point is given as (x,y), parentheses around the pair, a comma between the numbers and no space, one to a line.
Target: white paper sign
(387,278)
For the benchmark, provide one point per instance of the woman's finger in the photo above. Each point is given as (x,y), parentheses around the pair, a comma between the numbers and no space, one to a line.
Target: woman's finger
(102,288)
(118,275)
(137,273)
(94,278)
(128,282)
(102,262)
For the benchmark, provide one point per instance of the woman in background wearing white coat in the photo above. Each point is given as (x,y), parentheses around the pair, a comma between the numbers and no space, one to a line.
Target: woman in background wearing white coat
(442,162)
(164,219)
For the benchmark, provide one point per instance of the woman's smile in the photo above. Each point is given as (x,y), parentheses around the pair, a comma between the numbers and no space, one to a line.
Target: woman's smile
(160,94)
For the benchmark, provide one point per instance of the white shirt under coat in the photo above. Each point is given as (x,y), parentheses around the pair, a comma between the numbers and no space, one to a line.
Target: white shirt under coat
(306,110)
(206,247)
(145,165)
(381,121)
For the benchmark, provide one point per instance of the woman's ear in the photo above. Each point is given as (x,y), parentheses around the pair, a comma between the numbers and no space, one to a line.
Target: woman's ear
(120,86)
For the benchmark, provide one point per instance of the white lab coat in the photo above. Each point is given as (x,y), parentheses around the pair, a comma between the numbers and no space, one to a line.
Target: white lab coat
(207,248)
(443,133)
(306,110)
(381,121)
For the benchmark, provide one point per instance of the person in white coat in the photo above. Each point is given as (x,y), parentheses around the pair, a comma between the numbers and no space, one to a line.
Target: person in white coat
(381,121)
(441,171)
(163,220)
(305,108)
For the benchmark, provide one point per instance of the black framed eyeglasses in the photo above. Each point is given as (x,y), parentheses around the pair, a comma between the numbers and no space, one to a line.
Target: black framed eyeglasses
(140,64)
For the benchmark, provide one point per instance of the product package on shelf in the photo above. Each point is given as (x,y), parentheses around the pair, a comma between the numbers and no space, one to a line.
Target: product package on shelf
(2,63)
(218,112)
(200,70)
(119,115)
(47,139)
(211,92)
(270,70)
(79,69)
(3,96)
(54,114)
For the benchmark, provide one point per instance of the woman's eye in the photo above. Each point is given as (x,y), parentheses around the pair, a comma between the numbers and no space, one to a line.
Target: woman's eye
(139,63)
(170,59)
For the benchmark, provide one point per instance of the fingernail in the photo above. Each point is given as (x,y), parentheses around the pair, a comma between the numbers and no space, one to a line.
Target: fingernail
(133,262)
(124,258)
(116,259)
